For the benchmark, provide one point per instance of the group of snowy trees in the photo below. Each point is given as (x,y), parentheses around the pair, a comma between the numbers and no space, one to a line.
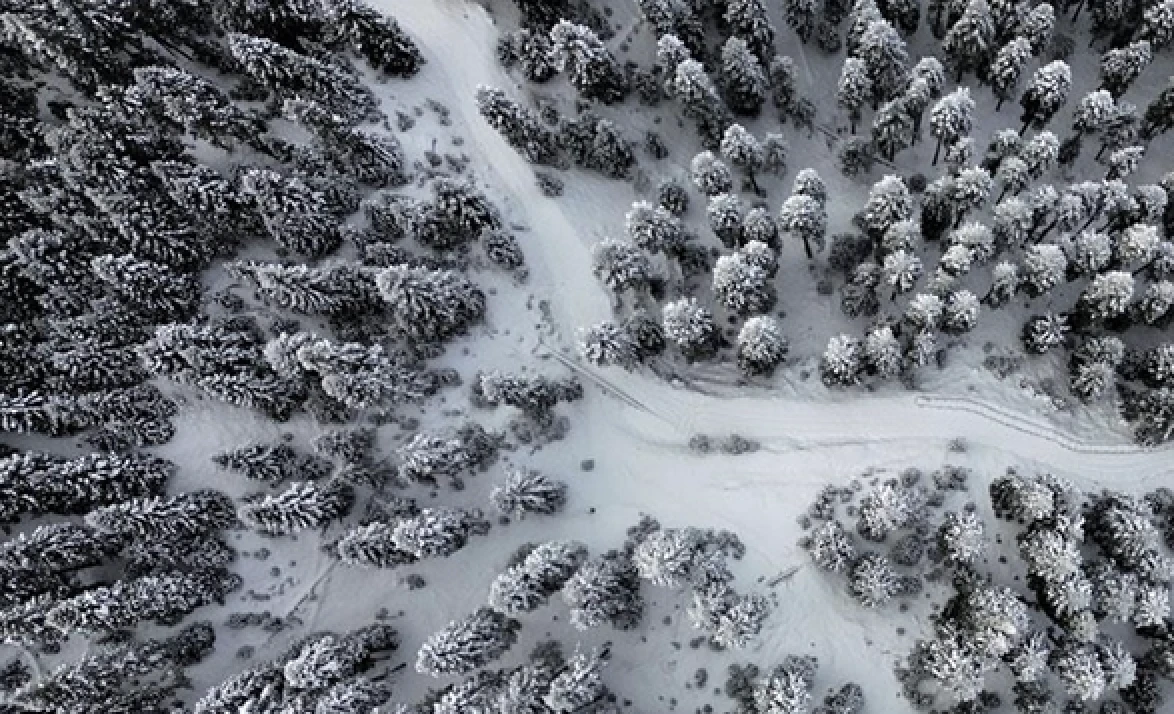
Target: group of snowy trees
(1072,641)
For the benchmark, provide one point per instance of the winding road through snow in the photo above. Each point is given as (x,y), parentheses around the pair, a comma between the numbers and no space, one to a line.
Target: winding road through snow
(458,40)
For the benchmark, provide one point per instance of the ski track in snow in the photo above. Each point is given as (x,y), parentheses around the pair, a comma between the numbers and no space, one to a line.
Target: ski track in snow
(561,254)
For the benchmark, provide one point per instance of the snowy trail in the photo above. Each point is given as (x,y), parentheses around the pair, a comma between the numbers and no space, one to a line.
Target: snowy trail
(655,412)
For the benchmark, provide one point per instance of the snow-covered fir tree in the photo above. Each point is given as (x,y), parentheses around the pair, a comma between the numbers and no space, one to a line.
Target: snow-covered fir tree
(437,532)
(591,68)
(529,584)
(468,643)
(305,504)
(520,127)
(430,304)
(604,590)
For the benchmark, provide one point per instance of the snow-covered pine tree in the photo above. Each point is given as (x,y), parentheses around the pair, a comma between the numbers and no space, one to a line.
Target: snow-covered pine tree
(700,101)
(970,190)
(1046,92)
(863,14)
(1156,302)
(430,304)
(295,215)
(901,271)
(334,290)
(724,212)
(893,128)
(970,41)
(529,584)
(185,516)
(805,217)
(675,18)
(761,345)
(195,105)
(1014,176)
(743,79)
(290,75)
(710,175)
(691,327)
(590,66)
(654,229)
(743,150)
(801,16)
(534,395)
(842,362)
(468,643)
(759,226)
(620,265)
(855,88)
(375,35)
(1159,113)
(1012,224)
(960,312)
(165,597)
(1158,24)
(606,344)
(437,532)
(887,58)
(525,492)
(519,126)
(783,79)
(1037,27)
(597,144)
(1042,333)
(271,463)
(1120,68)
(1007,68)
(951,118)
(672,196)
(1107,296)
(604,590)
(748,19)
(372,546)
(742,286)
(889,202)
(578,686)
(1040,153)
(305,504)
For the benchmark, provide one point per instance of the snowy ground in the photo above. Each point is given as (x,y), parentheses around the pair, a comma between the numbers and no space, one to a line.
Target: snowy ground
(635,427)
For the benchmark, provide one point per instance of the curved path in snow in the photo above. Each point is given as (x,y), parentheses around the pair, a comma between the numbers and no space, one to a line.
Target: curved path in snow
(656,412)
